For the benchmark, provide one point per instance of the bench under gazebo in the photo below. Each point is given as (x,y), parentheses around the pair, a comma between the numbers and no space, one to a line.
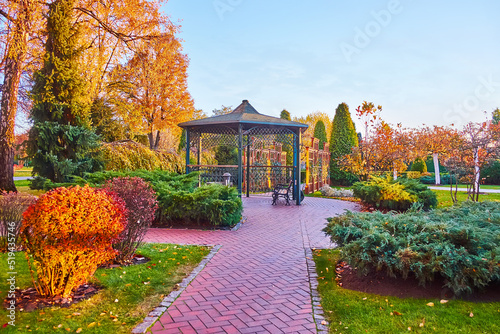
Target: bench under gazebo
(258,151)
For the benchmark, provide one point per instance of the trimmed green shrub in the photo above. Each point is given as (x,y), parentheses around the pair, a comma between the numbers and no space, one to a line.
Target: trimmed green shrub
(419,166)
(320,133)
(226,155)
(459,243)
(491,173)
(399,195)
(343,138)
(430,179)
(214,204)
(179,198)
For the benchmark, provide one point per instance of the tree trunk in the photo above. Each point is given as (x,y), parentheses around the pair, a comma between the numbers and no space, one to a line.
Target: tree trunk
(151,140)
(157,141)
(16,53)
(154,142)
(7,120)
(436,168)
(475,188)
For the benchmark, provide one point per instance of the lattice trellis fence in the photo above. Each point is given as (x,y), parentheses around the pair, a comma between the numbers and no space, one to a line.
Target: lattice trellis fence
(265,154)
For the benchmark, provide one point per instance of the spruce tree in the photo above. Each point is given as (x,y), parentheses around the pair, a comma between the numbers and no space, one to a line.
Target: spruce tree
(320,133)
(342,139)
(285,115)
(62,143)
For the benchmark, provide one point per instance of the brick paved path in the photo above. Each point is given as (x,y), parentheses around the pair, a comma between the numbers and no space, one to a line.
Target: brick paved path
(258,281)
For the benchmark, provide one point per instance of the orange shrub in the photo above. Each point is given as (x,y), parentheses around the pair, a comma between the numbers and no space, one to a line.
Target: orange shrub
(69,232)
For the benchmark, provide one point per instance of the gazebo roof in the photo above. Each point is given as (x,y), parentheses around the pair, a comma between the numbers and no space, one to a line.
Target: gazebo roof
(246,115)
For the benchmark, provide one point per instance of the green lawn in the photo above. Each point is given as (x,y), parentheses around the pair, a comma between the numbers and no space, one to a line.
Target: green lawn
(464,186)
(356,312)
(25,171)
(129,293)
(24,187)
(444,197)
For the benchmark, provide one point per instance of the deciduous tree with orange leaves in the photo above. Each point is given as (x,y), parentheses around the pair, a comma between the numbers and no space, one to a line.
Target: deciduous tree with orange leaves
(109,29)
(150,90)
(435,141)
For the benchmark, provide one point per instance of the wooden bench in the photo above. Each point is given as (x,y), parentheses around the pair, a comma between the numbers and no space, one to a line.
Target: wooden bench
(282,190)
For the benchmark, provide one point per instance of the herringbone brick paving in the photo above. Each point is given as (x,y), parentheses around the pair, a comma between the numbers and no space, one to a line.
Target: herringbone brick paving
(258,281)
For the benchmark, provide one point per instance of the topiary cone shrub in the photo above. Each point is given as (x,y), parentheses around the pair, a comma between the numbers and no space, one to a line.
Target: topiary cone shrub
(67,233)
(141,204)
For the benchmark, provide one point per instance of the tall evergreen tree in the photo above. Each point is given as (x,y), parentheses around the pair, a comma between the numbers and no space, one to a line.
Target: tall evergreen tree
(342,139)
(286,139)
(320,133)
(62,142)
(496,116)
(285,115)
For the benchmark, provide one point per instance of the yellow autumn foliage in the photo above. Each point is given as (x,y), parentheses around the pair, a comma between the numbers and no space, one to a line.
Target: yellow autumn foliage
(130,155)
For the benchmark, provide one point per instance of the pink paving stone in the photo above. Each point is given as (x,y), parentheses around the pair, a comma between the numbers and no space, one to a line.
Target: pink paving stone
(258,281)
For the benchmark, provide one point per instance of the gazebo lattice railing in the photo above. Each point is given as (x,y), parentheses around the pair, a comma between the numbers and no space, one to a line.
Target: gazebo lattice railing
(258,151)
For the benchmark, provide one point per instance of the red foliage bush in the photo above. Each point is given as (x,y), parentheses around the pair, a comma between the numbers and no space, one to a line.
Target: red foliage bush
(141,204)
(69,232)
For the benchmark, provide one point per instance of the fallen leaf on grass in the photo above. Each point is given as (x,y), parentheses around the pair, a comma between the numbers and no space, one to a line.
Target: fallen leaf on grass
(397,313)
(430,304)
(92,324)
(79,330)
(471,314)
(443,301)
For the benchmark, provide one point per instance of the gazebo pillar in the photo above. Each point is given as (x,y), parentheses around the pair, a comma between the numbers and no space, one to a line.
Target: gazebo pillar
(296,164)
(199,150)
(248,166)
(240,159)
(188,147)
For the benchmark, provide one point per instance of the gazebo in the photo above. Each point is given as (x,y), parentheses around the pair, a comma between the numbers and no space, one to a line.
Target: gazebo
(254,148)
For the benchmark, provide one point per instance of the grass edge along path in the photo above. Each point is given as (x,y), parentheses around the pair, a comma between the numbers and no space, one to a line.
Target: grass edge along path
(356,312)
(129,293)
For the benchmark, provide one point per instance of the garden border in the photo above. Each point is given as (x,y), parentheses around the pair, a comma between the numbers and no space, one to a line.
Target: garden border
(154,315)
(322,324)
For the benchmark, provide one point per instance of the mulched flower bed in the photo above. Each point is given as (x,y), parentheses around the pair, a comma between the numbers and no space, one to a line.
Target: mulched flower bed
(381,284)
(29,299)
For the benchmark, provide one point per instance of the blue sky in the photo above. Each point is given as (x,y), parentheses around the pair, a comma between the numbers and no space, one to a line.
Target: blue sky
(432,62)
